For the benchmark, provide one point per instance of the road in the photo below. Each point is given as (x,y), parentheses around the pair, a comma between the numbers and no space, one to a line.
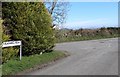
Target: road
(94,57)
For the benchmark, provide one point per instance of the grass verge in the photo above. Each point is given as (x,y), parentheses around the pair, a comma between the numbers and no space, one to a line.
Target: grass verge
(14,66)
(0,70)
(83,38)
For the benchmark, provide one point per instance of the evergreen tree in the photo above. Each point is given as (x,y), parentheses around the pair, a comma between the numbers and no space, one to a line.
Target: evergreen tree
(31,23)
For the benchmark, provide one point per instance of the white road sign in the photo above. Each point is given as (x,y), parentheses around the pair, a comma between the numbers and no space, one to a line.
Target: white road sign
(11,43)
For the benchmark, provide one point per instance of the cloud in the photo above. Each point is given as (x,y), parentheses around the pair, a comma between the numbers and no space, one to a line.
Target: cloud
(87,24)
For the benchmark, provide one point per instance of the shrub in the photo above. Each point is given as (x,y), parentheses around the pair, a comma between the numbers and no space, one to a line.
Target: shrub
(7,53)
(31,23)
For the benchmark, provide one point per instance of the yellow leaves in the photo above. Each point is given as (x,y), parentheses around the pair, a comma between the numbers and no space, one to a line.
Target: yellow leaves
(1,32)
(3,37)
(8,53)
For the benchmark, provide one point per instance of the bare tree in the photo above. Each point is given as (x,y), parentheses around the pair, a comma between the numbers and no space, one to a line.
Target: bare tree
(58,10)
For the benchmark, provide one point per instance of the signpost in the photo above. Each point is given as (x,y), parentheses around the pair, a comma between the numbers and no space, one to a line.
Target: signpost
(13,43)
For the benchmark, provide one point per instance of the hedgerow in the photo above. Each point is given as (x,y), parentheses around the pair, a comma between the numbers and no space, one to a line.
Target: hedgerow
(31,23)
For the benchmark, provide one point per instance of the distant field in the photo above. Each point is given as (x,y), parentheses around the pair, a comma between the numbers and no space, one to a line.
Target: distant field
(67,35)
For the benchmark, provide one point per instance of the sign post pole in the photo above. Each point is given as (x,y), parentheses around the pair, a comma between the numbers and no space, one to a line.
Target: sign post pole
(20,52)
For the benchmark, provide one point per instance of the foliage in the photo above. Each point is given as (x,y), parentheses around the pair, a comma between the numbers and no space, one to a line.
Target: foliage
(7,53)
(31,23)
(0,40)
(66,35)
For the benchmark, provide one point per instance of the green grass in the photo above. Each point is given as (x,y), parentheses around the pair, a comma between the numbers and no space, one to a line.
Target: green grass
(15,65)
(79,38)
(0,70)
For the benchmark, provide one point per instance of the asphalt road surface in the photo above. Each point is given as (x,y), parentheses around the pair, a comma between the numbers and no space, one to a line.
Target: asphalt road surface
(94,57)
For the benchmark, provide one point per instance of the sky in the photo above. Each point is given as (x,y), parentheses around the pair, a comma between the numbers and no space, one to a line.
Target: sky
(92,15)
